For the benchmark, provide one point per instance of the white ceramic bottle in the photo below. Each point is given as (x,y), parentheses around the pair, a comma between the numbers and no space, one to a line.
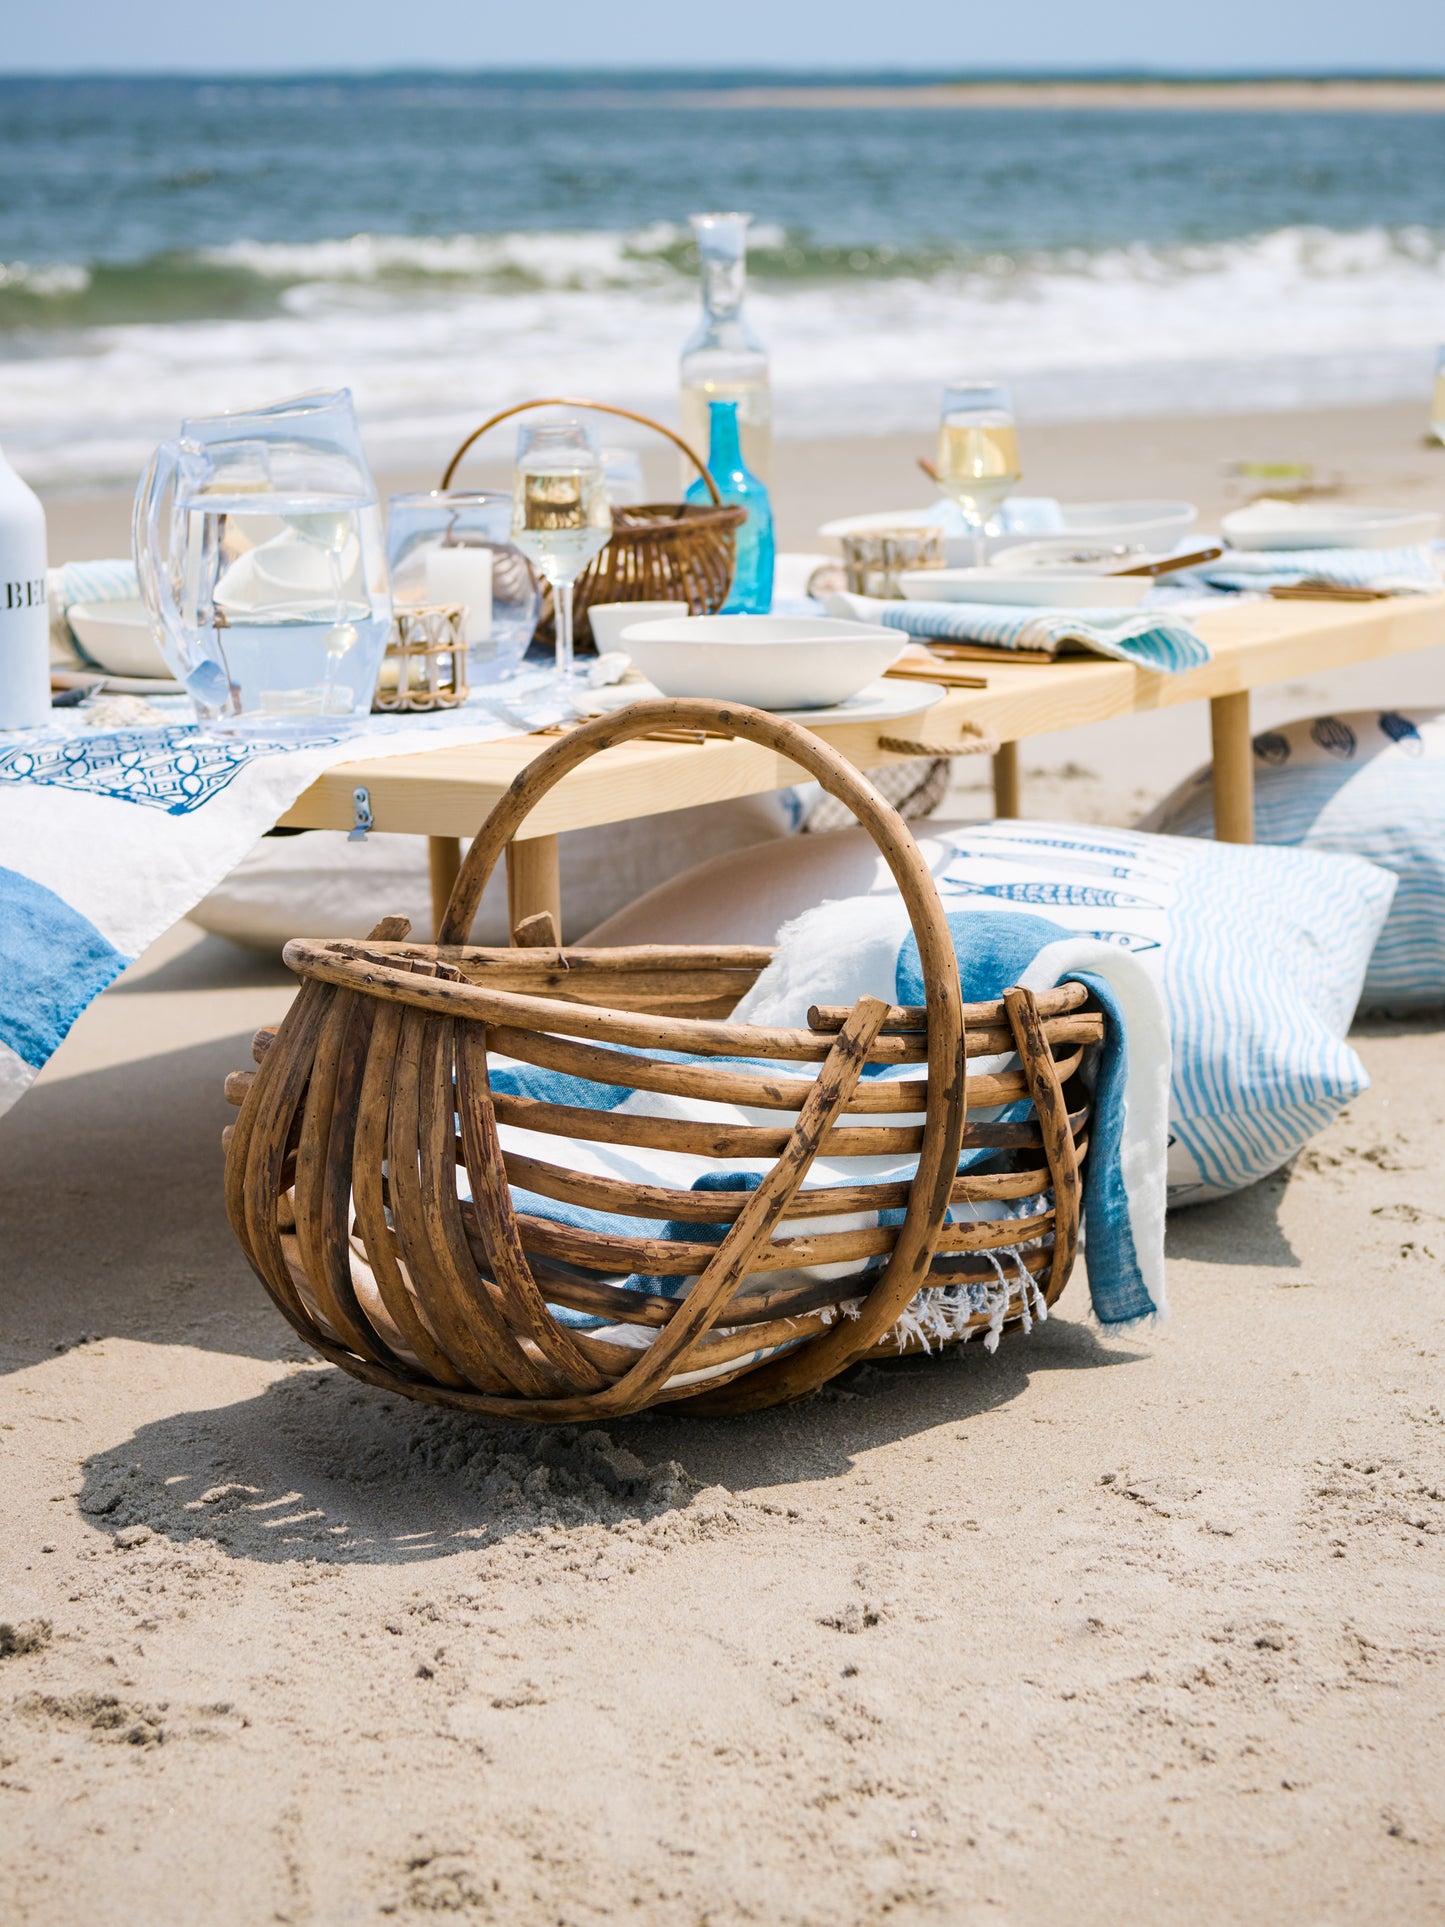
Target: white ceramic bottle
(24,622)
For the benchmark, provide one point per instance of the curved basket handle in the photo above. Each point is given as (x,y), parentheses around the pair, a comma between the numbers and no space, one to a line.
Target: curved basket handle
(599,407)
(791,1375)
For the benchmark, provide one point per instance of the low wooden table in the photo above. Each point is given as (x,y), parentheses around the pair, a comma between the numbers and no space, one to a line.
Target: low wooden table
(444,794)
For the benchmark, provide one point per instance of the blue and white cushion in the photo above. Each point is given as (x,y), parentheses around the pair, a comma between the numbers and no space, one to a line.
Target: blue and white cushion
(1370,783)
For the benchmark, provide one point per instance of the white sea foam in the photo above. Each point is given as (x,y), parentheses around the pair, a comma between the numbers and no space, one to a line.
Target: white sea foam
(433,332)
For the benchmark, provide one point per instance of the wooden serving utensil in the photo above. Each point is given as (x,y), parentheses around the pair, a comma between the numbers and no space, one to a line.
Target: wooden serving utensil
(1327,592)
(1169,563)
(919,669)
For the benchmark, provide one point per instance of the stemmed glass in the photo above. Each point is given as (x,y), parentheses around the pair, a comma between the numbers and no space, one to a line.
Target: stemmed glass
(978,449)
(561,516)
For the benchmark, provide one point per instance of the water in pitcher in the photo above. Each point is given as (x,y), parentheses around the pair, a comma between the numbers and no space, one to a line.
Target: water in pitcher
(278,596)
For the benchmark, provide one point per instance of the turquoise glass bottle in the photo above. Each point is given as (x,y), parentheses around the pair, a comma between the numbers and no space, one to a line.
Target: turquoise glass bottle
(751,593)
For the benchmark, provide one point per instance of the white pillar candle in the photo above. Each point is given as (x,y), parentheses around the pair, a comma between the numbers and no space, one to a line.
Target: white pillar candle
(457,574)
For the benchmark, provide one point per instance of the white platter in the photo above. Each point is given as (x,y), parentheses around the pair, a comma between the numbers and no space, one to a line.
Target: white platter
(1147,524)
(883,701)
(1319,525)
(1031,589)
(98,680)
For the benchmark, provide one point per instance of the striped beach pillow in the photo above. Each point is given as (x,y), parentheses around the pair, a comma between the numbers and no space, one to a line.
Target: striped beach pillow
(1260,954)
(1371,784)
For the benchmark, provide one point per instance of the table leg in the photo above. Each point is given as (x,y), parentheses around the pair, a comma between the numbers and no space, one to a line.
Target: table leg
(534,883)
(1006,780)
(444,859)
(1233,768)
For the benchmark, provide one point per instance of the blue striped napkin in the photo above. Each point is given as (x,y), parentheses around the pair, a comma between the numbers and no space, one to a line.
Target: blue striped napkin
(1149,638)
(1401,571)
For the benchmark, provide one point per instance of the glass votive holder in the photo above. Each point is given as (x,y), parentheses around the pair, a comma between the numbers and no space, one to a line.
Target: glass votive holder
(874,559)
(455,546)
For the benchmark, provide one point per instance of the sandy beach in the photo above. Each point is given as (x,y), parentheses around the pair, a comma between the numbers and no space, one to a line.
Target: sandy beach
(1094,1628)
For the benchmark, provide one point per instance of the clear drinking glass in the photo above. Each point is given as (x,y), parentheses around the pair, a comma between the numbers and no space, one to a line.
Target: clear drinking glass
(455,545)
(978,449)
(1437,399)
(561,517)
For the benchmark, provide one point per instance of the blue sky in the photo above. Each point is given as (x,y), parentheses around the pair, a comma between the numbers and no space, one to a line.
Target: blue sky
(1217,36)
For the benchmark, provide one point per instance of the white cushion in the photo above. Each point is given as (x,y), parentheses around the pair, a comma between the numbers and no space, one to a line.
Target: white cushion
(320,884)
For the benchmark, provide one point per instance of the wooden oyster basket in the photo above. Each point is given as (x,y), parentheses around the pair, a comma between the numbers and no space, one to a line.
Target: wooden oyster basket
(374,1095)
(658,551)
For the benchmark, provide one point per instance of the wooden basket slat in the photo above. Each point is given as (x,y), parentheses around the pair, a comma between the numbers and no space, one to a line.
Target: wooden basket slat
(664,1257)
(492,1213)
(712,1207)
(368,1157)
(476,1338)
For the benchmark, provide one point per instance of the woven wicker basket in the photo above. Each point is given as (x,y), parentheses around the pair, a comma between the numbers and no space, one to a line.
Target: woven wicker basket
(342,1169)
(659,551)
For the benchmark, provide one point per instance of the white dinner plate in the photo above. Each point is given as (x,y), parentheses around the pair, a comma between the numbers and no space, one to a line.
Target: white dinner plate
(883,701)
(1029,589)
(1321,525)
(1145,524)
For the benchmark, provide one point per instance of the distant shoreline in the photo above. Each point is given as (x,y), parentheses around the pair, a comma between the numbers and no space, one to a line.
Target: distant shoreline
(762,88)
(1215,96)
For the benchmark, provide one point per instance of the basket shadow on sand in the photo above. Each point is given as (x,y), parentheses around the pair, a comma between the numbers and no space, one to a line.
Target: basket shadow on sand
(319,1469)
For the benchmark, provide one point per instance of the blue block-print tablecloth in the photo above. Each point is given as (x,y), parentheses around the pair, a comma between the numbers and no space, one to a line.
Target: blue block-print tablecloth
(109,836)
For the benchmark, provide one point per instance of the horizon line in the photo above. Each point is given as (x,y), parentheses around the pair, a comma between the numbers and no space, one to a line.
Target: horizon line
(716,78)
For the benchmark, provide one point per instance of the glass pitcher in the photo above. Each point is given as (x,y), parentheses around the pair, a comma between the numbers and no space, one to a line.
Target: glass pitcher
(258,543)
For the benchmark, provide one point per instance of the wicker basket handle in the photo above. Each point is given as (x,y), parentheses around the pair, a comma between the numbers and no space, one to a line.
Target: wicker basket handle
(599,407)
(793,1374)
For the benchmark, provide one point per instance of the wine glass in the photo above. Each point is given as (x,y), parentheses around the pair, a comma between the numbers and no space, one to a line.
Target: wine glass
(1437,401)
(561,516)
(978,450)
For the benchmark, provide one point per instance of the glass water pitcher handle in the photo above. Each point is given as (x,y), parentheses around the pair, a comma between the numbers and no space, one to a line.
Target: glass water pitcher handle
(183,649)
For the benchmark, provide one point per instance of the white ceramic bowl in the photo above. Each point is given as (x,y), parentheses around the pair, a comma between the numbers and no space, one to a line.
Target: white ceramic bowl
(1323,525)
(1029,588)
(772,662)
(118,636)
(609,619)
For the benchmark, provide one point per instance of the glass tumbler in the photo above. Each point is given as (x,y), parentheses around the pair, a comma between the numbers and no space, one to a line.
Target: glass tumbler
(455,545)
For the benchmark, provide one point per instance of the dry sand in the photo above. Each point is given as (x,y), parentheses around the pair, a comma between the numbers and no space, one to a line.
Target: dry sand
(1091,1629)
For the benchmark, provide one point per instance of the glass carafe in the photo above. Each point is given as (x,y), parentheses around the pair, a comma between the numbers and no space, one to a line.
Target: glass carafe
(723,359)
(258,543)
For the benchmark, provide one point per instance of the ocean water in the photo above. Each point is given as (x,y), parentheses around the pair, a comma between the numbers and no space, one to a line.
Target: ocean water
(445,246)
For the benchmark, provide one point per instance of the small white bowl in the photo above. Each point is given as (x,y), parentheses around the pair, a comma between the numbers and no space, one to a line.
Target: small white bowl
(1029,589)
(771,662)
(609,619)
(119,637)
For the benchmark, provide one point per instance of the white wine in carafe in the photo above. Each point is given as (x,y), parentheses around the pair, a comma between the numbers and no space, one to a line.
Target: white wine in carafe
(753,395)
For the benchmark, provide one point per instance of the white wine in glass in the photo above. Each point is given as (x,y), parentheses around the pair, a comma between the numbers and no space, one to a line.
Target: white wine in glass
(978,449)
(561,515)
